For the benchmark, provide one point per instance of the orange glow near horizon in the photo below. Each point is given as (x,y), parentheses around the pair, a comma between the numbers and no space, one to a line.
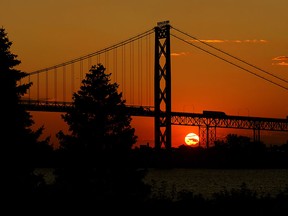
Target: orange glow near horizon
(44,35)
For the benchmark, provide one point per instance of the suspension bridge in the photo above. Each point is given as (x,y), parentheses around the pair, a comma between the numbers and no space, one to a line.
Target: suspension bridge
(141,65)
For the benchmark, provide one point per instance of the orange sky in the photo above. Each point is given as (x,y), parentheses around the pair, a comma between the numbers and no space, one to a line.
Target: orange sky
(45,33)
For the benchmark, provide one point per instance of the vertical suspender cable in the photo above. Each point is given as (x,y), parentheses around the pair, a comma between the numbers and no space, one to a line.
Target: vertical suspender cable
(47,85)
(98,59)
(89,63)
(150,73)
(106,61)
(139,81)
(64,84)
(29,89)
(81,71)
(97,54)
(115,63)
(38,85)
(132,72)
(55,84)
(123,72)
(72,78)
(146,71)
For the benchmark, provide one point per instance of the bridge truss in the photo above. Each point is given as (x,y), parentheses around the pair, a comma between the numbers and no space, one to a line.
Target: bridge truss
(207,124)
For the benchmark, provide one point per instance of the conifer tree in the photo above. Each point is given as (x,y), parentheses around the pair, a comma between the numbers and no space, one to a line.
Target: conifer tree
(98,121)
(96,151)
(20,143)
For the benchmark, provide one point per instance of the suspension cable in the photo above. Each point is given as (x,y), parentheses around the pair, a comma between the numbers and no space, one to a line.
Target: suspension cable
(137,37)
(249,71)
(245,62)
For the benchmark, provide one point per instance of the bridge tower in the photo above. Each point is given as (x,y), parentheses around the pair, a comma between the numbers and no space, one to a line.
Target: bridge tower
(162,86)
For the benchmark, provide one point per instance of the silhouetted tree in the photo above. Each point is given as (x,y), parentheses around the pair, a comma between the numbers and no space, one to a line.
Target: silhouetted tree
(99,120)
(237,142)
(20,143)
(97,149)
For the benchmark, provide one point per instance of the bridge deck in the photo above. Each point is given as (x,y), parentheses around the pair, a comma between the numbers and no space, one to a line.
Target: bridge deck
(219,119)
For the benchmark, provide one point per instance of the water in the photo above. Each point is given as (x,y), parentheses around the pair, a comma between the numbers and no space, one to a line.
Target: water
(209,181)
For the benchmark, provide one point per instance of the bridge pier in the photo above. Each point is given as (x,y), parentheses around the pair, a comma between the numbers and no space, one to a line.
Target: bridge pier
(207,135)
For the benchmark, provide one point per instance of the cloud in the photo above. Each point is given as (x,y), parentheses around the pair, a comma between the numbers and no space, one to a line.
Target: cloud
(230,41)
(280,58)
(281,63)
(179,54)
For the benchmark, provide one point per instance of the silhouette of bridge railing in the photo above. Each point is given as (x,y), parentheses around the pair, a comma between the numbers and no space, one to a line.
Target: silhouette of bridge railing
(208,119)
(178,118)
(62,106)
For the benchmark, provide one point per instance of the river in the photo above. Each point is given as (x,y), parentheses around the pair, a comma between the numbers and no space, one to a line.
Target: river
(209,181)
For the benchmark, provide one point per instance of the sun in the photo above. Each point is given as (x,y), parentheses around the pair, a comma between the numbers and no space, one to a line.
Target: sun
(191,139)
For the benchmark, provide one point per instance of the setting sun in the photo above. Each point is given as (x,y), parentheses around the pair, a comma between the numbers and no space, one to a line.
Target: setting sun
(191,139)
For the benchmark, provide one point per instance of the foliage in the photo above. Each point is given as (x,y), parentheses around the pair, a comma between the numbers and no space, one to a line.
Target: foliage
(20,143)
(95,155)
(99,120)
(16,119)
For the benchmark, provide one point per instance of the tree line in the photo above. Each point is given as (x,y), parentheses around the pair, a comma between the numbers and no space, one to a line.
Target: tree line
(93,158)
